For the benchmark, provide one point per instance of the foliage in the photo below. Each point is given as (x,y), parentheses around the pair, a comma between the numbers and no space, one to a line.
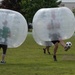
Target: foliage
(73,11)
(28,7)
(11,4)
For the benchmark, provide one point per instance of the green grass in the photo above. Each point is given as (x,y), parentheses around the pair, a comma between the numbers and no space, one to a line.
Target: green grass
(29,59)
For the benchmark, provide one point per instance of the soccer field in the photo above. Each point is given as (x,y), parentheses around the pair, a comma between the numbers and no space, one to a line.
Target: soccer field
(29,59)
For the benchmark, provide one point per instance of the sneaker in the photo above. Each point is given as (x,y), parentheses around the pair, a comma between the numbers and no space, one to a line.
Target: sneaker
(44,50)
(55,59)
(2,62)
(67,48)
(49,53)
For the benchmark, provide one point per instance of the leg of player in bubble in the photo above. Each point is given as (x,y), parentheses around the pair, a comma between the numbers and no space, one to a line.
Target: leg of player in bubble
(47,48)
(64,45)
(56,48)
(4,47)
(55,51)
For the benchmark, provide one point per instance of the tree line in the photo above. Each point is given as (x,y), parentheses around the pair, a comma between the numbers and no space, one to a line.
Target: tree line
(28,7)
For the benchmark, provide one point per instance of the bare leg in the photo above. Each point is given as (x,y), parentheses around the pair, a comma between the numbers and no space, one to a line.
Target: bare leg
(3,57)
(4,47)
(44,49)
(47,47)
(55,51)
(62,43)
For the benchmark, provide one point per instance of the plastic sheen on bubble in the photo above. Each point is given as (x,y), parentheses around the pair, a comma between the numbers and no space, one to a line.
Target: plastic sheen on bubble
(13,28)
(52,24)
(40,41)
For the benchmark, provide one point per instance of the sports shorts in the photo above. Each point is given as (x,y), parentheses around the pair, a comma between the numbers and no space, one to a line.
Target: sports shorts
(54,42)
(4,47)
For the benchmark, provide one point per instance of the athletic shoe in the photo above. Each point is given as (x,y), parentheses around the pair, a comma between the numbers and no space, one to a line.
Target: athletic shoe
(44,50)
(67,48)
(2,62)
(54,57)
(49,53)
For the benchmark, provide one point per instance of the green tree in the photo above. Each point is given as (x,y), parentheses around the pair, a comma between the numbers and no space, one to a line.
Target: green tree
(30,7)
(73,10)
(11,4)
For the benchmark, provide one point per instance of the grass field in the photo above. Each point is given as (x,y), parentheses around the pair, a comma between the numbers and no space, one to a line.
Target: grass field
(29,59)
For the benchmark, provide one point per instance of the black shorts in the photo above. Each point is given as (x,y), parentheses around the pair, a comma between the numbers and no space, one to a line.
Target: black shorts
(4,47)
(54,42)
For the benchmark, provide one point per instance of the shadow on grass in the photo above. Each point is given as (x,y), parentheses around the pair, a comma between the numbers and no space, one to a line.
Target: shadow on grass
(69,57)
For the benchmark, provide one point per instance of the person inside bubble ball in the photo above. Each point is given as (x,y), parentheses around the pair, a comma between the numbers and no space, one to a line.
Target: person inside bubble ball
(55,36)
(5,33)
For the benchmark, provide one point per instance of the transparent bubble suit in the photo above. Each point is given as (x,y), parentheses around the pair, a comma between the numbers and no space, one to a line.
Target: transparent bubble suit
(13,28)
(51,24)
